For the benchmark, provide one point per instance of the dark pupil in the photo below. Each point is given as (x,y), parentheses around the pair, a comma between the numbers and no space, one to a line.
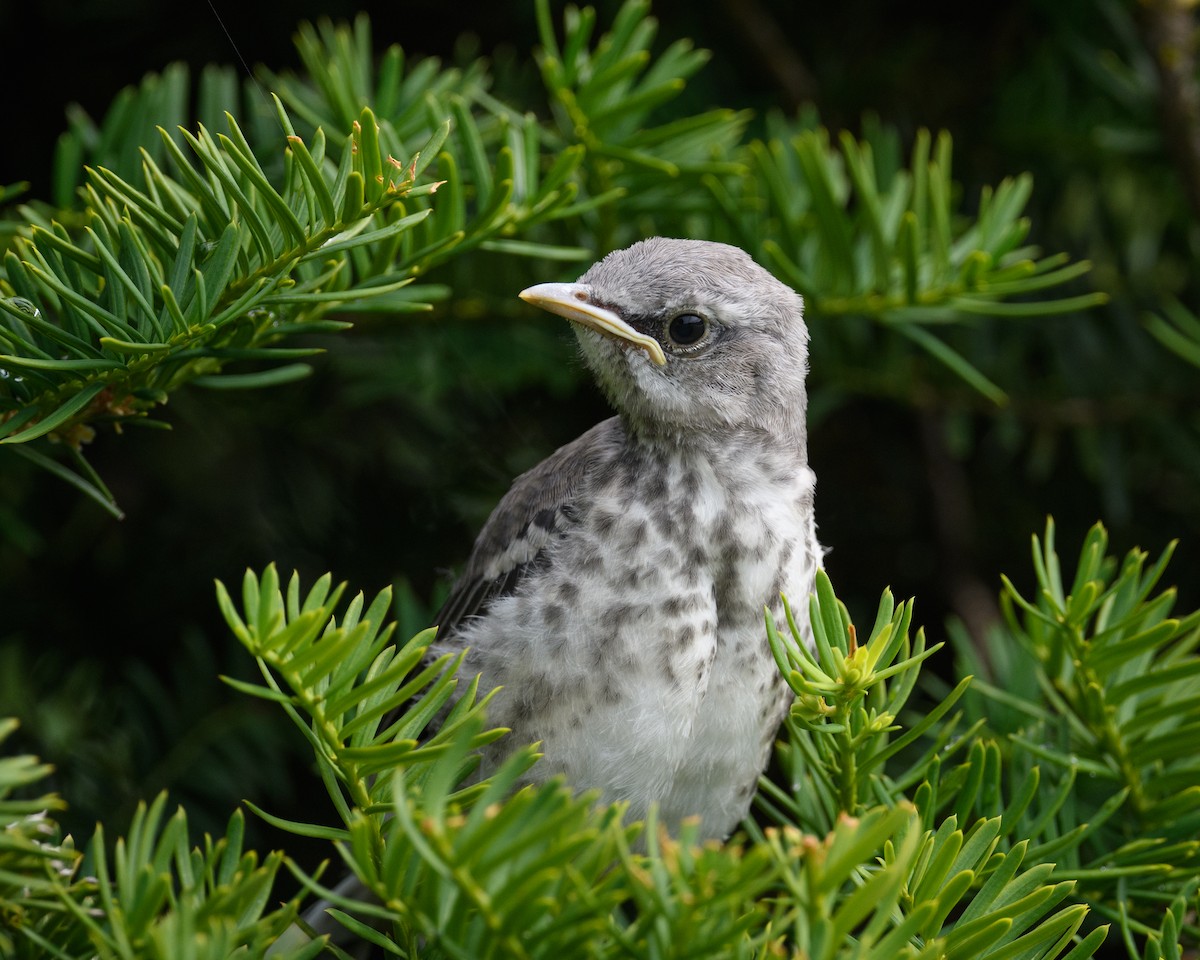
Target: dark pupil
(686,328)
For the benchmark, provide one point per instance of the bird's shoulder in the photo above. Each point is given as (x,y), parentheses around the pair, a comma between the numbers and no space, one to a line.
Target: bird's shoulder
(541,506)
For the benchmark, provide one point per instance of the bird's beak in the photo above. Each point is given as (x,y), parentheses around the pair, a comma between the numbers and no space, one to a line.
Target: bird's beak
(573,301)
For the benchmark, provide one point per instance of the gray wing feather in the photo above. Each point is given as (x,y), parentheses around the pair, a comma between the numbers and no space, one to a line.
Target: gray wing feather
(542,505)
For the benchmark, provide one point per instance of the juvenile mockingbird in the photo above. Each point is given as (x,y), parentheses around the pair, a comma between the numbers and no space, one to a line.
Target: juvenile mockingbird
(617,591)
(616,594)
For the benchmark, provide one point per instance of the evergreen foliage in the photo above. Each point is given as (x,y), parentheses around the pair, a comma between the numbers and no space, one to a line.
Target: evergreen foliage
(883,838)
(1042,803)
(214,248)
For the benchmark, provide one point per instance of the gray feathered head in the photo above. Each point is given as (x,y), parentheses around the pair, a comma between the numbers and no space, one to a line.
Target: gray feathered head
(689,335)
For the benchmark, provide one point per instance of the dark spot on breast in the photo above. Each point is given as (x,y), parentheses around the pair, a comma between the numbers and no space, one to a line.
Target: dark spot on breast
(617,615)
(538,690)
(665,556)
(738,612)
(590,560)
(635,533)
(554,615)
(666,523)
(632,466)
(724,531)
(725,590)
(656,486)
(603,522)
(639,576)
(568,592)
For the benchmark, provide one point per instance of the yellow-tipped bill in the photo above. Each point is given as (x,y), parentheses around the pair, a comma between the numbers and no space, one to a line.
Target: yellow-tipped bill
(572,300)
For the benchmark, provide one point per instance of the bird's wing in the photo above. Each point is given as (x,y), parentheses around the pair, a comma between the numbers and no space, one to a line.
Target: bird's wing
(541,506)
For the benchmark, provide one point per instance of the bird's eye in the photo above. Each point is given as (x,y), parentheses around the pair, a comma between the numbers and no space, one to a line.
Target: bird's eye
(687,329)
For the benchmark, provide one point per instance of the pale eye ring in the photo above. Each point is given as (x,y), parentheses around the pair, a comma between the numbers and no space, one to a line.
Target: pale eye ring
(687,329)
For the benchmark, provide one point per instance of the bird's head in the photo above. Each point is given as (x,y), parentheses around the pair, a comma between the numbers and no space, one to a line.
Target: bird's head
(689,336)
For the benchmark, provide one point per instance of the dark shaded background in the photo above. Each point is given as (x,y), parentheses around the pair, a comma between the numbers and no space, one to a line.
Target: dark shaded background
(383,464)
